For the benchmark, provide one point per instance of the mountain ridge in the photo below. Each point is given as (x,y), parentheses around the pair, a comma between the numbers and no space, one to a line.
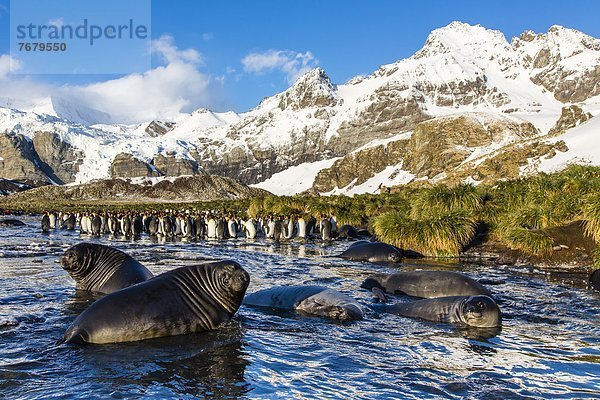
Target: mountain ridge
(461,70)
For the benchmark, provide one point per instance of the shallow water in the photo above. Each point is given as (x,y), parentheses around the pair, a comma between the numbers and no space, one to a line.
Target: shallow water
(549,345)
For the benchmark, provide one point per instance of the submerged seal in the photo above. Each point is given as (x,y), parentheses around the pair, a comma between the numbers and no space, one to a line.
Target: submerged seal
(310,300)
(426,284)
(11,222)
(477,311)
(186,300)
(102,269)
(372,252)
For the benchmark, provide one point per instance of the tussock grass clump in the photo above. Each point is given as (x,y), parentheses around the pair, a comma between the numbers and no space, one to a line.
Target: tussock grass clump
(591,215)
(440,200)
(530,242)
(445,235)
(597,257)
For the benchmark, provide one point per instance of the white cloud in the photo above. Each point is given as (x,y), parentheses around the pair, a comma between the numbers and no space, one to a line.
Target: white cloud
(8,64)
(166,49)
(207,36)
(163,92)
(291,63)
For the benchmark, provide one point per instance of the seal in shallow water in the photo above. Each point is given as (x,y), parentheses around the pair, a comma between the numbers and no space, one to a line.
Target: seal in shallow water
(102,269)
(11,222)
(185,300)
(347,232)
(426,284)
(310,300)
(372,252)
(476,311)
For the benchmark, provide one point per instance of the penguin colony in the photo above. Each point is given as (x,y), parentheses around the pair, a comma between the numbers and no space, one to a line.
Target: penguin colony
(194,225)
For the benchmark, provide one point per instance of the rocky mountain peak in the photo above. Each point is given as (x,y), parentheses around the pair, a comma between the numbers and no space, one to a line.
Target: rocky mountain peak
(559,41)
(313,89)
(564,61)
(473,41)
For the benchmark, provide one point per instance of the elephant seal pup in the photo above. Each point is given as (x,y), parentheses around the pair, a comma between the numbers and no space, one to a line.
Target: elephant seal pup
(476,311)
(426,284)
(310,300)
(11,222)
(594,280)
(102,269)
(186,300)
(372,252)
(347,232)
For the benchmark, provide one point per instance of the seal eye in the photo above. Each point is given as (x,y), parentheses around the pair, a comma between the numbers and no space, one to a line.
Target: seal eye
(480,305)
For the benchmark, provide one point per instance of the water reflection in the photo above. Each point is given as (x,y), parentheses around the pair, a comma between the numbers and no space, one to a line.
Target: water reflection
(481,334)
(205,365)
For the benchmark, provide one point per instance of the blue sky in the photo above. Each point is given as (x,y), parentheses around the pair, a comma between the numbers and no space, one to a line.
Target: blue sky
(346,38)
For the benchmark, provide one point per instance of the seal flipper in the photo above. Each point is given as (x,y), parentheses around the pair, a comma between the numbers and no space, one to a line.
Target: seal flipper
(379,294)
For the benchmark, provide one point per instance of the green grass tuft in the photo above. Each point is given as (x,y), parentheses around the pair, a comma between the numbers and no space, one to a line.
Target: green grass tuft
(441,236)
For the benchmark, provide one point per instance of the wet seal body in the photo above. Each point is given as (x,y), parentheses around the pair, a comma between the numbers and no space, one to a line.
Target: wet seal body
(347,232)
(185,300)
(310,300)
(426,284)
(11,222)
(102,269)
(372,252)
(476,311)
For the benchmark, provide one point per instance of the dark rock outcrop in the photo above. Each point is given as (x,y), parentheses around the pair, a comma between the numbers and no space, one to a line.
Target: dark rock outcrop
(127,166)
(173,166)
(18,159)
(442,144)
(8,187)
(568,88)
(159,128)
(45,159)
(358,167)
(59,160)
(570,117)
(389,113)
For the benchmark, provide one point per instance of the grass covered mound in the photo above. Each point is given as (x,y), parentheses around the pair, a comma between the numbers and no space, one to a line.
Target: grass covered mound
(523,214)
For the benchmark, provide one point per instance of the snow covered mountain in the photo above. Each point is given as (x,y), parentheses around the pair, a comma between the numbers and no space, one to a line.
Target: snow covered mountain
(469,106)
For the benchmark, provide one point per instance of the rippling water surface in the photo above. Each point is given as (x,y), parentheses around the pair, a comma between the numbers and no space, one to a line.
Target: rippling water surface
(549,345)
